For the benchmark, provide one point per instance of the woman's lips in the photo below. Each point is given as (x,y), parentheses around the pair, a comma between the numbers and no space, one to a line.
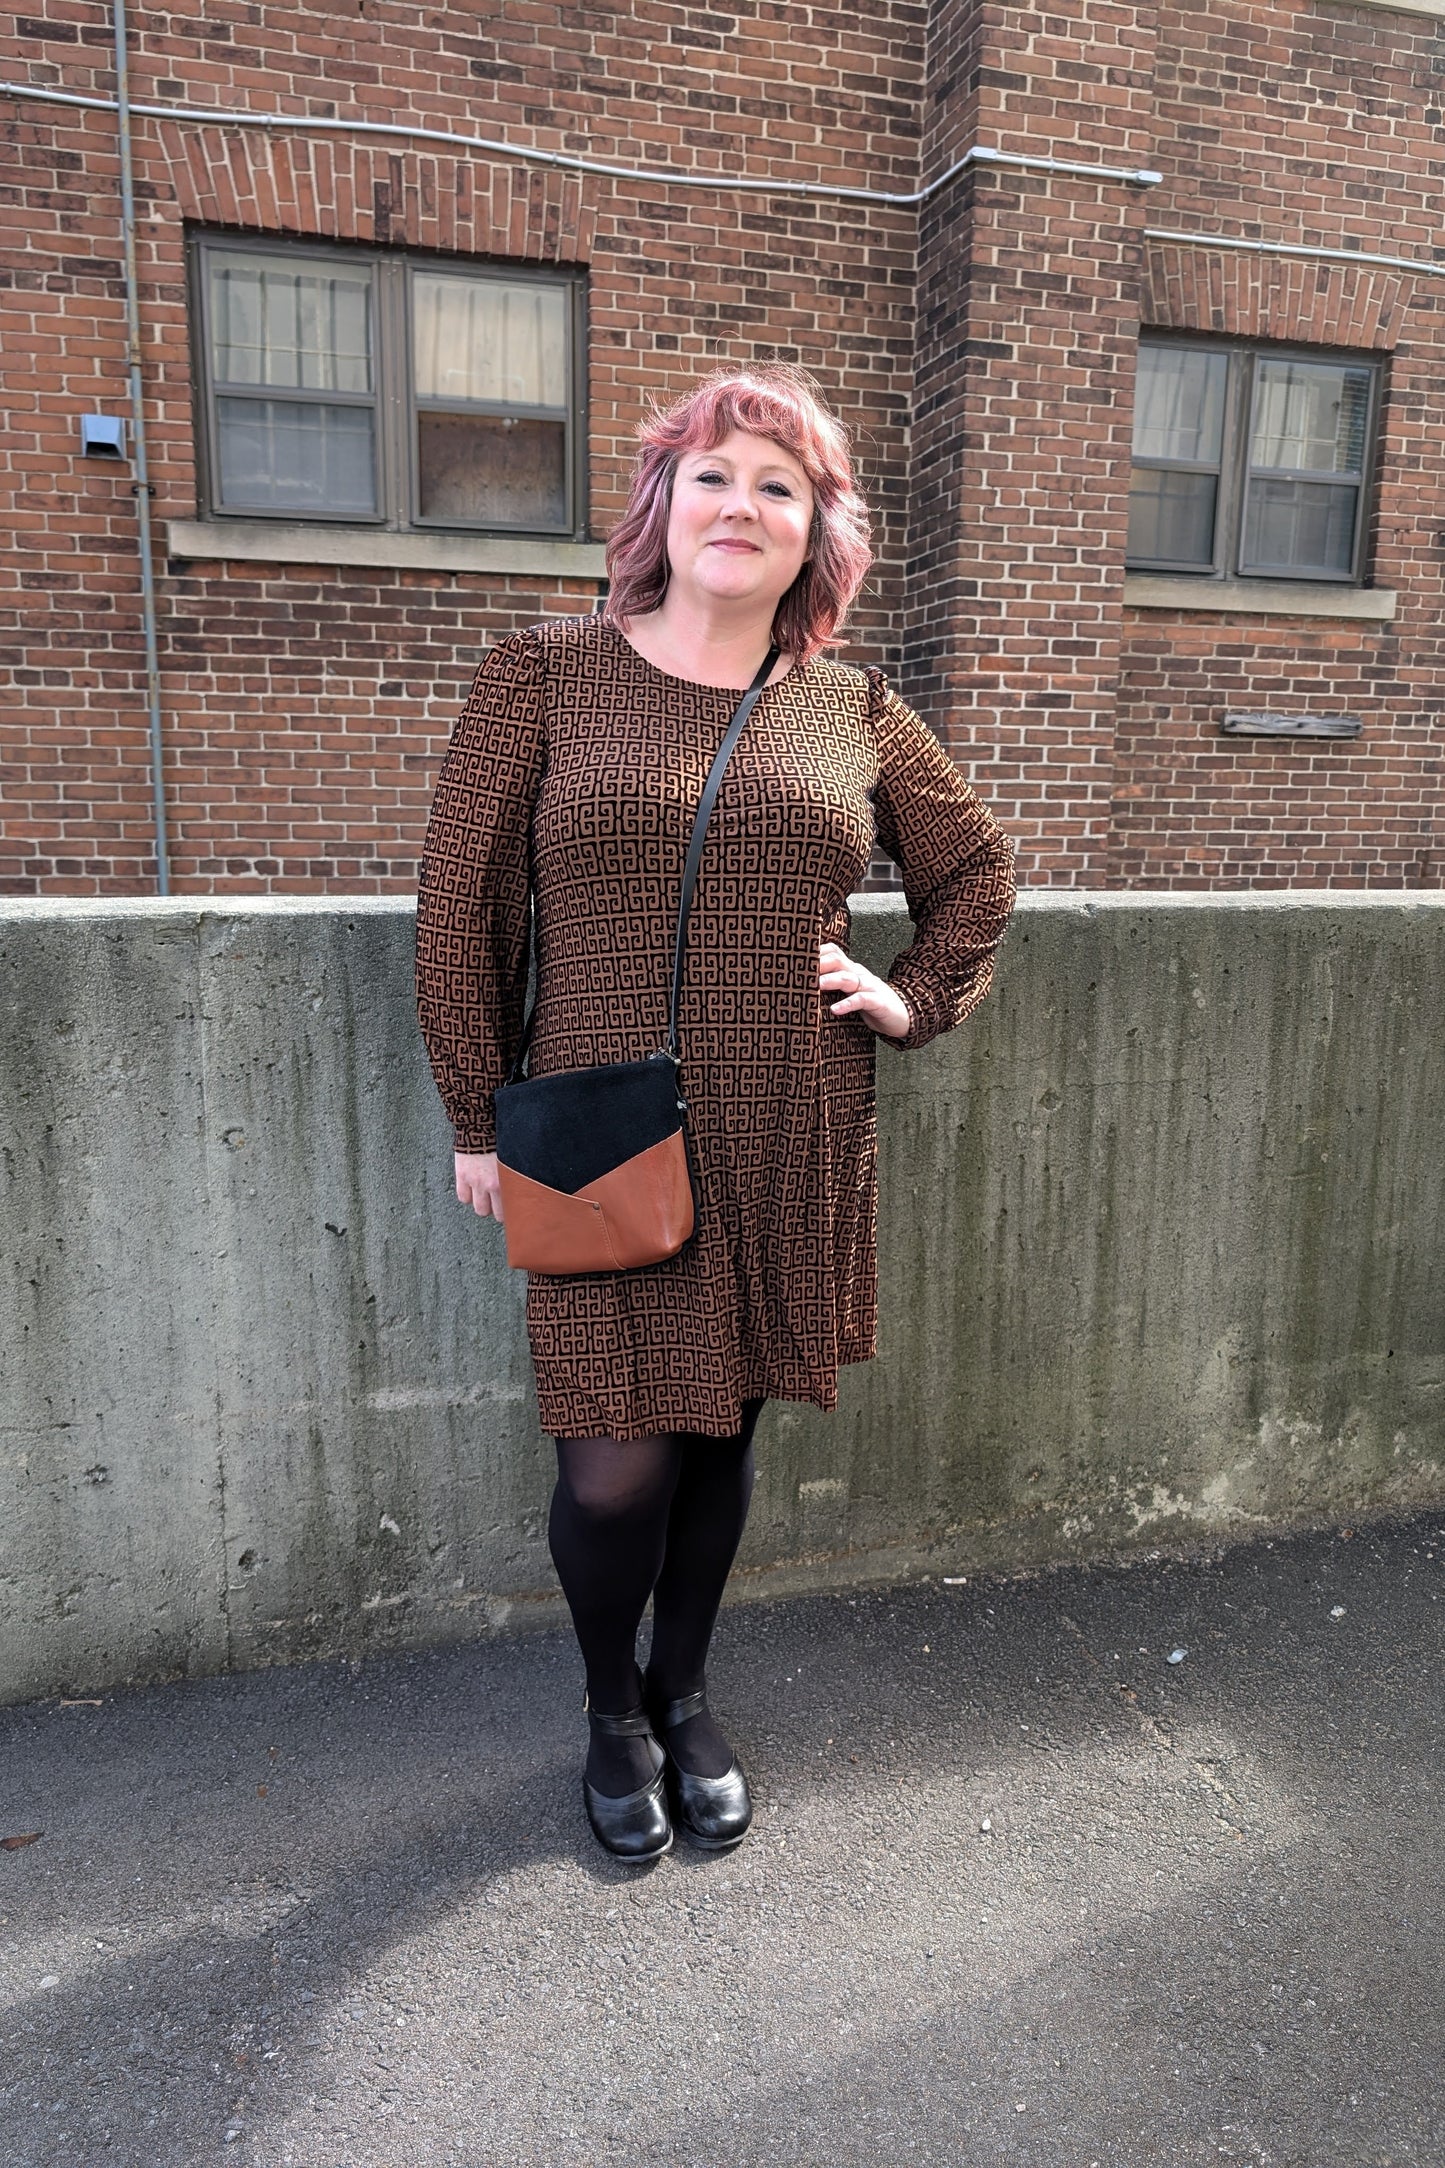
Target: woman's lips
(750,547)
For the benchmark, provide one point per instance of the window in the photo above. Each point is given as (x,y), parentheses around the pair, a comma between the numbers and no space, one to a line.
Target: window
(1250,462)
(397,390)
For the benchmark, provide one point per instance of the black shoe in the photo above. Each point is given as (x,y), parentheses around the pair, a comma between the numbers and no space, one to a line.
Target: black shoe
(715,1812)
(636,1827)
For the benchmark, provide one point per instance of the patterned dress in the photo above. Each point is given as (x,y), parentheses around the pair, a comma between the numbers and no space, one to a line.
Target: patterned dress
(576,768)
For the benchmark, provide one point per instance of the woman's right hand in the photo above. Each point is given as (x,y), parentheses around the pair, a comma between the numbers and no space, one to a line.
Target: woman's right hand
(478,1184)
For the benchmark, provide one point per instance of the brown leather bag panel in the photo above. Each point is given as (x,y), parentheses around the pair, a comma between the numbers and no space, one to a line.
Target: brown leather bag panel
(637,1214)
(548,1231)
(646,1203)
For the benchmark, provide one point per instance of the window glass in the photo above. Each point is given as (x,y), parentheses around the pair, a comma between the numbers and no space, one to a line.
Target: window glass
(1308,419)
(1309,415)
(295,327)
(1179,404)
(488,340)
(1171,515)
(1179,407)
(1299,527)
(286,455)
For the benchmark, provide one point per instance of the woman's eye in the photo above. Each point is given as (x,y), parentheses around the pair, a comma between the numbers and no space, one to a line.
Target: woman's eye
(774,489)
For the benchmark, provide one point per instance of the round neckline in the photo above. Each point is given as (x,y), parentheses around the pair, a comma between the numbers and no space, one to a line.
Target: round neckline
(700,685)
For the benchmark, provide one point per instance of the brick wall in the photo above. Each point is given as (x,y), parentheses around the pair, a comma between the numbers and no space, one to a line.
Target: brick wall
(1316,124)
(983,347)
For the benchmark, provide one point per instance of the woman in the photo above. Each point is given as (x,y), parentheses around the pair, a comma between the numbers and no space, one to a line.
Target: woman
(577,765)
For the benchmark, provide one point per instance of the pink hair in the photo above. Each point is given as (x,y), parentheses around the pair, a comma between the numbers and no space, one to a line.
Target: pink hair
(769,399)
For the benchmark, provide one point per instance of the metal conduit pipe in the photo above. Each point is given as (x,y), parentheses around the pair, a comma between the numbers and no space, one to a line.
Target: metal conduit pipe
(122,106)
(577,162)
(1296,248)
(977,154)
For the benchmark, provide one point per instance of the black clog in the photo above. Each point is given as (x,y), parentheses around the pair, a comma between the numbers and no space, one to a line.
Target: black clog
(637,1826)
(714,1812)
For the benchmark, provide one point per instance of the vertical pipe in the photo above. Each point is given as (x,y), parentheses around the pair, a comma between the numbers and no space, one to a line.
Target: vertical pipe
(141,469)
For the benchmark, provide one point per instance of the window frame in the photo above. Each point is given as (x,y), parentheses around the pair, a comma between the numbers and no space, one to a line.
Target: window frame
(1234,476)
(393,398)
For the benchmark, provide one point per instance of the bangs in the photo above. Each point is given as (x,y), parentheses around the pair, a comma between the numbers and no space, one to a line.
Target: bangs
(800,425)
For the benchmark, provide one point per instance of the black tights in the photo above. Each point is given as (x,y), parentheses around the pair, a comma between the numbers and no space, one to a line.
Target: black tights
(660,1517)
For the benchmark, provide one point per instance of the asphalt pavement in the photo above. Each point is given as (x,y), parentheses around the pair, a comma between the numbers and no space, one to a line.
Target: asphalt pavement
(1024,1886)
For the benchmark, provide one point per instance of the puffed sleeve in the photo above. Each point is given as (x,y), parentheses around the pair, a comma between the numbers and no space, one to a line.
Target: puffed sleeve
(957,866)
(473,913)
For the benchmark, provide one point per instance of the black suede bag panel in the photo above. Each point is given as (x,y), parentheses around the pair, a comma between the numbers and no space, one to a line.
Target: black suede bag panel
(567,1129)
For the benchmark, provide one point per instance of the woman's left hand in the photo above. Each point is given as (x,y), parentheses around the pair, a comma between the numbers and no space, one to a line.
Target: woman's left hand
(864,994)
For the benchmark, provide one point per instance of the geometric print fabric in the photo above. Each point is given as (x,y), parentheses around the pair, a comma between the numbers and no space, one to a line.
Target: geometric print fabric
(573,774)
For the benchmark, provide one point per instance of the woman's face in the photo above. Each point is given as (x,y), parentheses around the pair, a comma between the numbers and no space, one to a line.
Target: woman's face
(741,517)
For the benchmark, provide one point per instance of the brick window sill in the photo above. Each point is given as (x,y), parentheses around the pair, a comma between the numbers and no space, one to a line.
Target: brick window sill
(280,542)
(1275,598)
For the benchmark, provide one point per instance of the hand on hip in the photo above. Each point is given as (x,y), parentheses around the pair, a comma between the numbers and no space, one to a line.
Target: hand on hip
(863,992)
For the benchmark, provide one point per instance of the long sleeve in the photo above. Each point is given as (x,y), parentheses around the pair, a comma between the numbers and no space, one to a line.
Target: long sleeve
(473,915)
(957,866)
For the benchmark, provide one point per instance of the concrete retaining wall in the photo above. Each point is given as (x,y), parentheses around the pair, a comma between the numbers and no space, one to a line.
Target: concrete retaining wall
(1160,1256)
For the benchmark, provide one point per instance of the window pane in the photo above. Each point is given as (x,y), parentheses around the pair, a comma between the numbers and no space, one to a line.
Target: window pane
(1309,414)
(1300,526)
(290,455)
(1179,404)
(488,339)
(1171,516)
(300,326)
(480,468)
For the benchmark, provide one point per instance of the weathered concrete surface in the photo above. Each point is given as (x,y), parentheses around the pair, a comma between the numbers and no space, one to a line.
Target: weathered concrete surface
(1019,1893)
(1160,1253)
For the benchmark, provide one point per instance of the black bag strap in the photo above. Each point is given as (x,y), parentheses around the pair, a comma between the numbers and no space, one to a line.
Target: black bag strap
(689,874)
